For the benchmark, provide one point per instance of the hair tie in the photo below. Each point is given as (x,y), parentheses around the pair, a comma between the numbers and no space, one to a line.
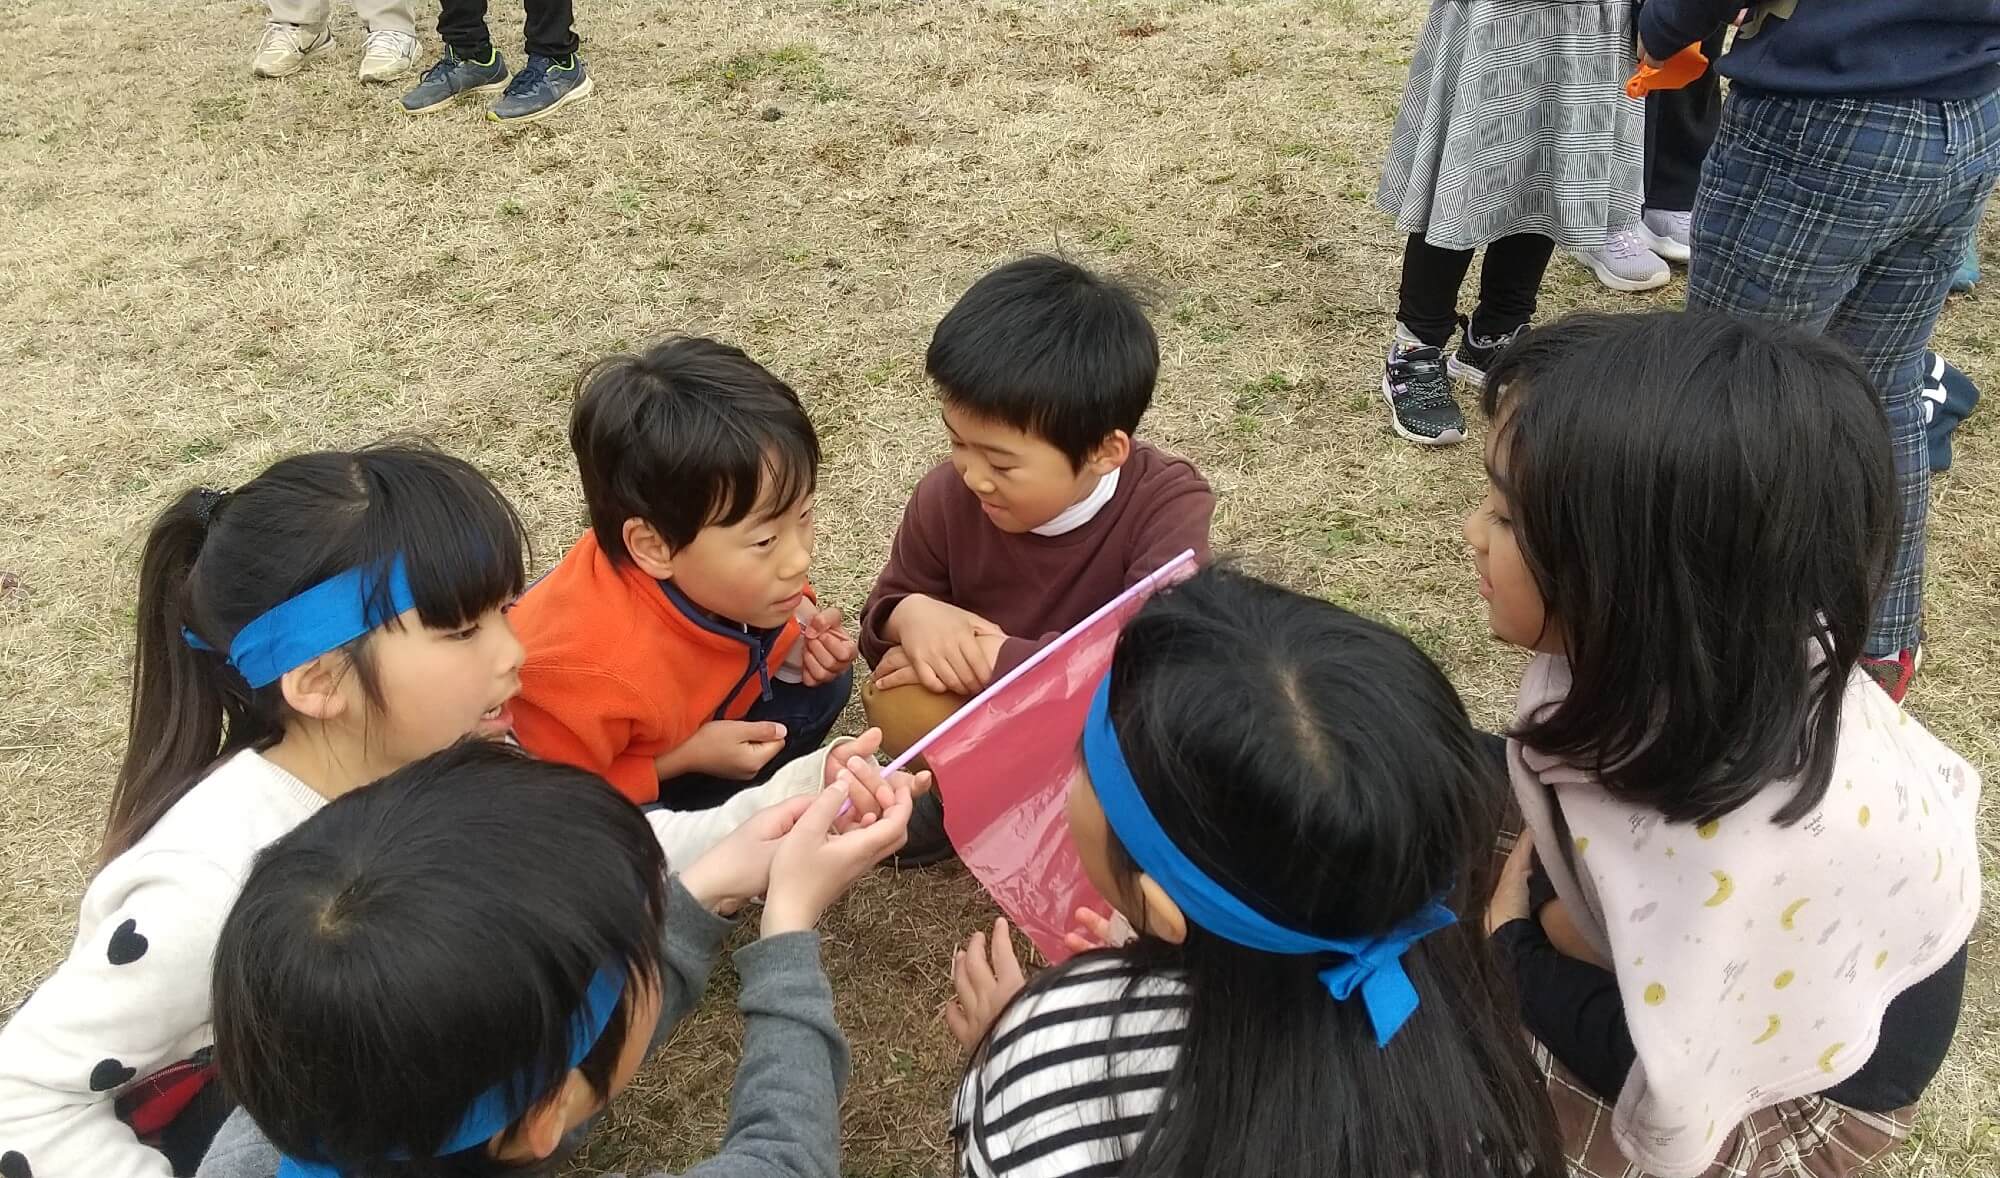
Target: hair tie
(206,500)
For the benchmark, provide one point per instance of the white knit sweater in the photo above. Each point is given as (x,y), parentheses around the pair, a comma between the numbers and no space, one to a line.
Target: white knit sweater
(132,997)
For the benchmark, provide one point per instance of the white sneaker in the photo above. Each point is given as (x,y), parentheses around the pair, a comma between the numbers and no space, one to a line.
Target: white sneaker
(387,54)
(1626,262)
(1670,235)
(285,48)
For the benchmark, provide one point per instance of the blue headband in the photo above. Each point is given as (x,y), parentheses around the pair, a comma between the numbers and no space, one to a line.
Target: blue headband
(503,1104)
(325,617)
(1373,964)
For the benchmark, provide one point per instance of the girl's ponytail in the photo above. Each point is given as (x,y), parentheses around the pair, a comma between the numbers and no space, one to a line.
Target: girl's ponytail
(184,701)
(214,563)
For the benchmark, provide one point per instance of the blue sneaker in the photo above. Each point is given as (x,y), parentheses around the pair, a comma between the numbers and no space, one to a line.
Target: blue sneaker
(1949,397)
(452,76)
(1968,271)
(543,87)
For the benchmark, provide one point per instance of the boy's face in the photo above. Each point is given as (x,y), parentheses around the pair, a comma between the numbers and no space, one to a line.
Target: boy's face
(752,571)
(1022,481)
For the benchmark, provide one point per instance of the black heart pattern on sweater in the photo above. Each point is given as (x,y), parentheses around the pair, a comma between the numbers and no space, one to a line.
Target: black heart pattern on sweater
(109,1074)
(13,1165)
(127,945)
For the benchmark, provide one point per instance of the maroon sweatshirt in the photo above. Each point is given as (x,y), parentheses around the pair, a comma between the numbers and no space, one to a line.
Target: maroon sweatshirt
(1035,587)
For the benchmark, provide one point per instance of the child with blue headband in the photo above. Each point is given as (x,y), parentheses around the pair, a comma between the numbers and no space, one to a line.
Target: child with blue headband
(1288,805)
(410,988)
(331,620)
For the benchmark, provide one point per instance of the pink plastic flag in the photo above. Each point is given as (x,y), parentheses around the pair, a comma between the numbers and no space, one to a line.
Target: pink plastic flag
(1004,762)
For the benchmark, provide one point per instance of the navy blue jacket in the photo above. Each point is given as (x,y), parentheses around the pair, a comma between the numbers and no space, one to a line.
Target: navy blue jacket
(1842,48)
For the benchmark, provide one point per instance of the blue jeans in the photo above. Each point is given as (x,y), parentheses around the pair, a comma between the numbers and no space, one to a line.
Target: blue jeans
(1848,216)
(808,714)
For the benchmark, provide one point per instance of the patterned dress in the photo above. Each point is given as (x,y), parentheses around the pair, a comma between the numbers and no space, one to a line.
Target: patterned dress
(1515,120)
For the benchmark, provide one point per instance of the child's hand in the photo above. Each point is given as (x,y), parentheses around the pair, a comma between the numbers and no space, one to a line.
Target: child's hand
(982,985)
(1560,928)
(738,869)
(829,649)
(1096,931)
(813,866)
(1510,894)
(736,750)
(851,765)
(941,644)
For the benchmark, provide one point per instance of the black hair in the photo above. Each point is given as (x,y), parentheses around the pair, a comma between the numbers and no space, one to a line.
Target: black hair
(688,434)
(422,940)
(214,561)
(1051,349)
(1318,766)
(1701,500)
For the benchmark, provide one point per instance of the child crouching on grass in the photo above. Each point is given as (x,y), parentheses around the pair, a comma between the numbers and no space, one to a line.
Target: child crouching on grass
(678,650)
(1750,952)
(1047,508)
(1289,805)
(453,971)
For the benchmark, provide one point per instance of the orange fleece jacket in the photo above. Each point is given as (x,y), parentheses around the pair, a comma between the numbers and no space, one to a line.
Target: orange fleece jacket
(620,668)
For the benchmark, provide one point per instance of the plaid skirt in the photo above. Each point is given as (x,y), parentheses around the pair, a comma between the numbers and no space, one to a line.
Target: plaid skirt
(1806,1138)
(1515,120)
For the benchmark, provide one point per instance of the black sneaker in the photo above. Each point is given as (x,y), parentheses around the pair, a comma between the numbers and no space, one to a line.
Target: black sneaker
(1419,394)
(928,843)
(1477,353)
(454,77)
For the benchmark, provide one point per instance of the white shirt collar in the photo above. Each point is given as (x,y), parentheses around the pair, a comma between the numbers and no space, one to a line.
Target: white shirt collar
(1083,510)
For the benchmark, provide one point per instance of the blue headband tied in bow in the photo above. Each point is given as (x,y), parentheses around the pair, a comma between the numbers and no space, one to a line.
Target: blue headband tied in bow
(1372,965)
(503,1104)
(298,630)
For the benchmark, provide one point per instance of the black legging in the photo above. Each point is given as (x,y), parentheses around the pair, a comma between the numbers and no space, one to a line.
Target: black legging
(1509,280)
(548,28)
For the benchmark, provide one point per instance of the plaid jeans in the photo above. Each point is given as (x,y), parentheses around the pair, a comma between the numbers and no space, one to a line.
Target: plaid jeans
(1848,216)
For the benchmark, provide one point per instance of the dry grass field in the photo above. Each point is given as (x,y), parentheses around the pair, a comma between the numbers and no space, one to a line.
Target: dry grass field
(200,271)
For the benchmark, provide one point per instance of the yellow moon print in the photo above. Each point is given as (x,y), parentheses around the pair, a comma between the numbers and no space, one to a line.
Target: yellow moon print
(1826,1057)
(1707,829)
(1770,1029)
(1792,910)
(1655,994)
(1783,979)
(1863,816)
(1724,888)
(1881,959)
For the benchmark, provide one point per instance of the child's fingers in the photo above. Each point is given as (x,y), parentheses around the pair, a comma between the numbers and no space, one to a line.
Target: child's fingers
(958,1022)
(1006,966)
(930,678)
(890,680)
(1078,943)
(826,620)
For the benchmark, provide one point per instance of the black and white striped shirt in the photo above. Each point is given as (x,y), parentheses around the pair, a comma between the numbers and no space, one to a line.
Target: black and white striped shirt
(1072,1074)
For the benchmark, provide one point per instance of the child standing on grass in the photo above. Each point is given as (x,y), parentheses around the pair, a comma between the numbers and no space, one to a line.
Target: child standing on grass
(1858,147)
(1763,872)
(334,618)
(1047,508)
(553,78)
(1287,803)
(1515,135)
(299,30)
(453,971)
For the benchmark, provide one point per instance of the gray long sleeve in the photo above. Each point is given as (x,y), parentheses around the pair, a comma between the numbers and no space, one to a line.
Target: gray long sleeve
(689,945)
(784,1108)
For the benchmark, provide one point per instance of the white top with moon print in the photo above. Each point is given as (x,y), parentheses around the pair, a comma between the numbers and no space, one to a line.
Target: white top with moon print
(1756,961)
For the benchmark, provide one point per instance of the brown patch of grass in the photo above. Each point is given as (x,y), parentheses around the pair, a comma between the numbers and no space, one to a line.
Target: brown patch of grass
(200,272)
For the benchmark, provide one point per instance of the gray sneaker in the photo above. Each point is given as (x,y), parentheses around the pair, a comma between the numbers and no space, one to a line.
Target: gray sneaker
(285,49)
(543,87)
(1627,262)
(452,76)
